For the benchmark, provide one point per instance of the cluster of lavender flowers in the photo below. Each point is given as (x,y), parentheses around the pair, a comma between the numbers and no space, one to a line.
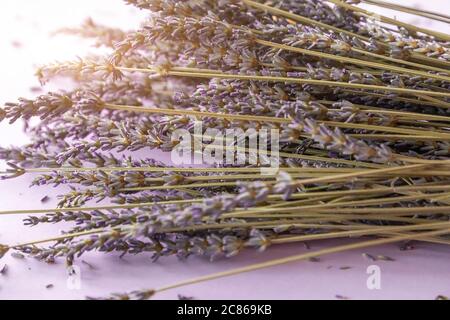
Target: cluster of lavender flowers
(351,96)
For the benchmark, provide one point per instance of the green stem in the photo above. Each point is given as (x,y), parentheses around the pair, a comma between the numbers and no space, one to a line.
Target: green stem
(399,99)
(392,211)
(195,113)
(185,170)
(297,183)
(111,207)
(59,238)
(279,120)
(358,174)
(367,232)
(429,187)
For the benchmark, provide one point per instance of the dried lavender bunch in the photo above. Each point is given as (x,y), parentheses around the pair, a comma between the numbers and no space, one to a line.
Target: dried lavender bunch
(362,110)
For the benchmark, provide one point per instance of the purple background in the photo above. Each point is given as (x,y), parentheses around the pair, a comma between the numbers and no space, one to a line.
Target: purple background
(25,26)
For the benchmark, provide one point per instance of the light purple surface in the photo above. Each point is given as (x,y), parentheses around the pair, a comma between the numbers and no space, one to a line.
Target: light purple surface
(24,28)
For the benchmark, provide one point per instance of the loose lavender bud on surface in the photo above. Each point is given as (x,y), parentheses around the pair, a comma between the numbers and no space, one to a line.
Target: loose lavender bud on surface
(44,106)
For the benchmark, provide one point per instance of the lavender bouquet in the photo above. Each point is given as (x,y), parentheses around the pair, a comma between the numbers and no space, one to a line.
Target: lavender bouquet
(360,103)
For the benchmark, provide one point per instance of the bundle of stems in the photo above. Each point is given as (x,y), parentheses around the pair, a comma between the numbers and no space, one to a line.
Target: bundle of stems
(362,113)
(418,12)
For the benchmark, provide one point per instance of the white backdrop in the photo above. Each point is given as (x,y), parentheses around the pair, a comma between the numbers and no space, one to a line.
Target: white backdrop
(25,26)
